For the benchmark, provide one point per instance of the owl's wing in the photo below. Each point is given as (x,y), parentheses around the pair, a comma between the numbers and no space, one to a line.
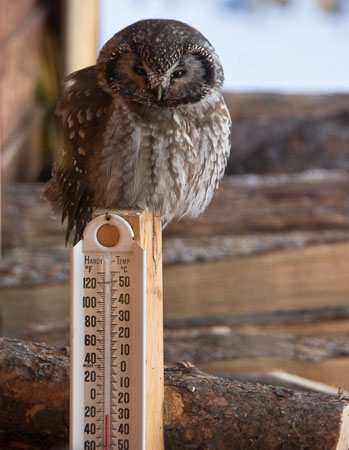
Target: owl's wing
(84,108)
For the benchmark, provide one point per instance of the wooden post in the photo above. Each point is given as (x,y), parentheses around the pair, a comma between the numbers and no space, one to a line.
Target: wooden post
(81,34)
(147,230)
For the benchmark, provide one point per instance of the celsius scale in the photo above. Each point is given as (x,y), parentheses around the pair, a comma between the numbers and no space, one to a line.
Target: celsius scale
(108,338)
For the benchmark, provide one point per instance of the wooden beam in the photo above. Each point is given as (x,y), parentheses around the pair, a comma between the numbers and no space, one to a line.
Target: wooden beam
(280,133)
(222,343)
(312,277)
(81,34)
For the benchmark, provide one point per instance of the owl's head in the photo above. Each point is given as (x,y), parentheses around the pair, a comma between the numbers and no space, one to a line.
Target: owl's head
(161,63)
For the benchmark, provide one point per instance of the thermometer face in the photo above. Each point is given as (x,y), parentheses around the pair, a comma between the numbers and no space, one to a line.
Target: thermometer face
(108,339)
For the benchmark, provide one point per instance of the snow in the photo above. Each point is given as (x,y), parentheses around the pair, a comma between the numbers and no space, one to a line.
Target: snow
(295,48)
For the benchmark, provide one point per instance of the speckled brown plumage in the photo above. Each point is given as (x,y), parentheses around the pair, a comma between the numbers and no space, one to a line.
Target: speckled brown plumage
(146,127)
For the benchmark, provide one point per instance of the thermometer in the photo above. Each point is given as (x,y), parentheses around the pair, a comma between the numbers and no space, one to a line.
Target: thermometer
(107,338)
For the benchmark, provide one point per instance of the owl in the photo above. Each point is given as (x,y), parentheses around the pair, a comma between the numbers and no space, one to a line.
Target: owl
(146,127)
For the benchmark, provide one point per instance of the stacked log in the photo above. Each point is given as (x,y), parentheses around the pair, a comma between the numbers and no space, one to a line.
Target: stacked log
(201,411)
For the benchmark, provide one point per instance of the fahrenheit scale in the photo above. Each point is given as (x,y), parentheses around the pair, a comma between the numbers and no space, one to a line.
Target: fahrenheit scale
(107,338)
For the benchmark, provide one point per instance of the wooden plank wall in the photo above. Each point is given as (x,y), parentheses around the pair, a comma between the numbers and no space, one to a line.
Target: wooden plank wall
(22,31)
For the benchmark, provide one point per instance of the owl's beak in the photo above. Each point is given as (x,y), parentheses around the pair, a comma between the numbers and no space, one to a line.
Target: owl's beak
(157,86)
(158,92)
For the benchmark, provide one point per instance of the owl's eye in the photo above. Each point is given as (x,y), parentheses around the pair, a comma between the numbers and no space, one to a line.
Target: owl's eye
(140,71)
(178,73)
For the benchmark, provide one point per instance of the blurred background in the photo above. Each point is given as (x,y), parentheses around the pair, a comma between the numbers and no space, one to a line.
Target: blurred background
(264,271)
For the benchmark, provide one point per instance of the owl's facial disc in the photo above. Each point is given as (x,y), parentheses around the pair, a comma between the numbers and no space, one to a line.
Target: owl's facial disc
(186,81)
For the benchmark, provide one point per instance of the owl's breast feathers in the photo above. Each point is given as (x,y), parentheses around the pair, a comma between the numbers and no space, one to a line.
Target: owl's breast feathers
(166,159)
(84,108)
